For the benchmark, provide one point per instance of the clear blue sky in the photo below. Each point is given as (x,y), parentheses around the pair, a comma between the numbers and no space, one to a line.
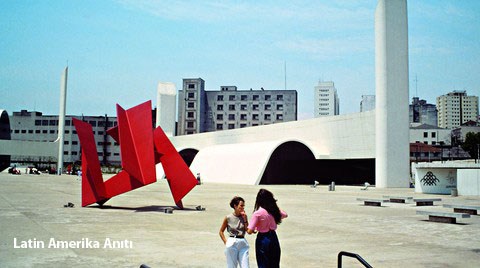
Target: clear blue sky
(118,51)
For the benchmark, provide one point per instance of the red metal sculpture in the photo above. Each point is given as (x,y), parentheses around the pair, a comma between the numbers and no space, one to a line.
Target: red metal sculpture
(141,148)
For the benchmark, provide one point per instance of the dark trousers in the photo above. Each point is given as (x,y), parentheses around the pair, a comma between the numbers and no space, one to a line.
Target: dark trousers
(267,249)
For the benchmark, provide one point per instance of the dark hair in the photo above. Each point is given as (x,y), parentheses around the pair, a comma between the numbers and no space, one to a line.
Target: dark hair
(266,200)
(235,201)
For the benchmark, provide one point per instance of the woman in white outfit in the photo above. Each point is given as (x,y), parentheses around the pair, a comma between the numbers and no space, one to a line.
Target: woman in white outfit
(236,246)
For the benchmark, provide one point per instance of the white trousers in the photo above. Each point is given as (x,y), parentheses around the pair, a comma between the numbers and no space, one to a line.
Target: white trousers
(236,250)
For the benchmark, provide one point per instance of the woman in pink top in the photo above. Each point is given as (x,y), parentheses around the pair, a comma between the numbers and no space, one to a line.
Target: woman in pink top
(264,220)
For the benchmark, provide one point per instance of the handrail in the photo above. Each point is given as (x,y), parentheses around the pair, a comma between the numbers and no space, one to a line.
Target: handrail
(352,255)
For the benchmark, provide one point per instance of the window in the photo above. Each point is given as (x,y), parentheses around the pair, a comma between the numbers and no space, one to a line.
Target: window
(30,131)
(231,97)
(74,142)
(268,107)
(219,126)
(231,117)
(243,107)
(268,117)
(189,124)
(67,122)
(219,116)
(425,134)
(231,107)
(37,131)
(191,104)
(52,131)
(191,95)
(243,125)
(66,142)
(220,107)
(243,97)
(44,122)
(279,116)
(433,134)
(74,153)
(231,126)
(93,123)
(280,97)
(255,116)
(255,107)
(17,131)
(220,98)
(101,123)
(256,97)
(279,107)
(268,97)
(38,122)
(191,86)
(43,131)
(53,122)
(100,133)
(67,131)
(243,117)
(190,114)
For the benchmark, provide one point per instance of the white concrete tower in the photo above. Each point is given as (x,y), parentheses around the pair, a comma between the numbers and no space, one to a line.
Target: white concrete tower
(61,119)
(391,81)
(166,107)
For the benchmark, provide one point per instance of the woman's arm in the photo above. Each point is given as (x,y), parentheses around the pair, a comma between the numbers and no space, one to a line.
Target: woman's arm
(222,230)
(252,225)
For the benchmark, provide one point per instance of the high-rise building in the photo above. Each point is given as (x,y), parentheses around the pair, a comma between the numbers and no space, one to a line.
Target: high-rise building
(422,112)
(456,108)
(326,102)
(200,110)
(367,103)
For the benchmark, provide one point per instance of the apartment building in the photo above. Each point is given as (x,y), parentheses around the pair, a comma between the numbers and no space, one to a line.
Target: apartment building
(456,108)
(230,108)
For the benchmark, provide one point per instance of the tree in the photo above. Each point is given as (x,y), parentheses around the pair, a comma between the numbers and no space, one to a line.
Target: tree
(472,141)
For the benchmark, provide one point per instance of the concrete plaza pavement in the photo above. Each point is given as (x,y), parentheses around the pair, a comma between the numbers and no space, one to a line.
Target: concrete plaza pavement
(133,228)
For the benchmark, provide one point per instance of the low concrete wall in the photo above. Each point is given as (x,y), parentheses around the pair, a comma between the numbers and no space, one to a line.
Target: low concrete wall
(441,178)
(470,182)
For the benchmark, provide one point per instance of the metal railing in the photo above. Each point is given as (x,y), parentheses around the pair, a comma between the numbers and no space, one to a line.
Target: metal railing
(352,255)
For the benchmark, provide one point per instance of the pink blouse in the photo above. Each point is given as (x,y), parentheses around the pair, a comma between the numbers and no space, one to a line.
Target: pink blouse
(263,222)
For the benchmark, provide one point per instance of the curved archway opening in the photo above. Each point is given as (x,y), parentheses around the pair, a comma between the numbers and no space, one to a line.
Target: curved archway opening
(188,155)
(294,163)
(286,165)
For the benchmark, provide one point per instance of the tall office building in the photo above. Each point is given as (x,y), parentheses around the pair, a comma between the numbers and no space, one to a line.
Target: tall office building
(456,108)
(200,110)
(367,103)
(422,112)
(326,102)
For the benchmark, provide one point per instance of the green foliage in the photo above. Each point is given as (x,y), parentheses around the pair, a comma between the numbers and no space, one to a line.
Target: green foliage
(472,141)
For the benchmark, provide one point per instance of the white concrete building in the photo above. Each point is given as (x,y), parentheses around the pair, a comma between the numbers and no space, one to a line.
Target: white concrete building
(367,103)
(326,102)
(166,107)
(456,108)
(431,135)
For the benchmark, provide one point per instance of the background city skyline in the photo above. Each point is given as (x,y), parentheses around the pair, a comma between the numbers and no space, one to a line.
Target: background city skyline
(118,51)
